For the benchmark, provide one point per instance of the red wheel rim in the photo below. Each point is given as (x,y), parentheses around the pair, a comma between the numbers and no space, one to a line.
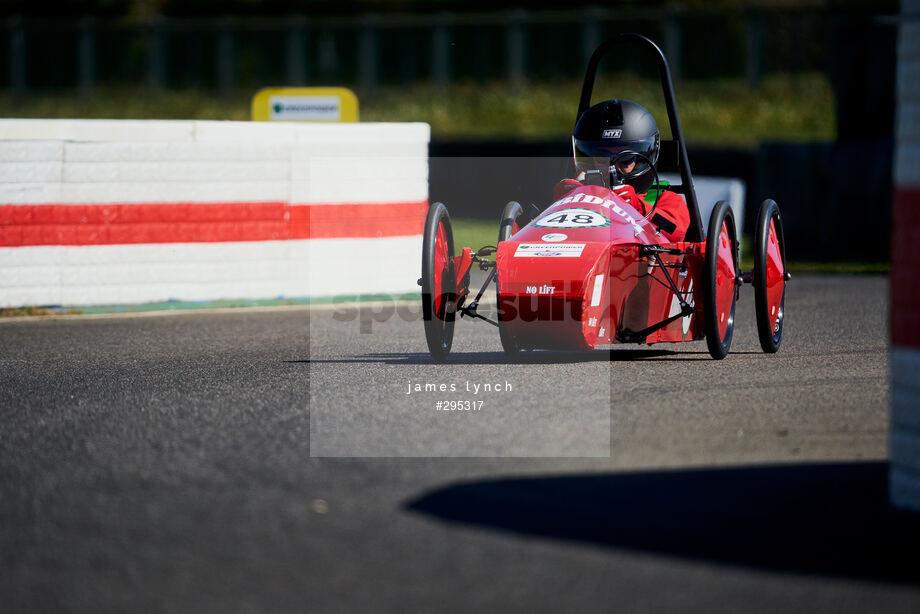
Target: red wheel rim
(725,282)
(776,281)
(440,270)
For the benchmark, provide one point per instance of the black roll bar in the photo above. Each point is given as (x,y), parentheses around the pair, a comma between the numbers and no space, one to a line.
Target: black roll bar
(695,232)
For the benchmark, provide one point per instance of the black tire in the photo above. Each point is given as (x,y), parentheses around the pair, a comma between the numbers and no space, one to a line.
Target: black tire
(770,331)
(439,283)
(718,283)
(510,215)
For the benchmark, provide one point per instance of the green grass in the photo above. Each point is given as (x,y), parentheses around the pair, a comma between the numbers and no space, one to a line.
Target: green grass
(128,103)
(824,267)
(201,305)
(716,112)
(785,107)
(31,310)
(474,233)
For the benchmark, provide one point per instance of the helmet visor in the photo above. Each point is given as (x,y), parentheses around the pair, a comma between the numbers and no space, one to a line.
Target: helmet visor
(621,154)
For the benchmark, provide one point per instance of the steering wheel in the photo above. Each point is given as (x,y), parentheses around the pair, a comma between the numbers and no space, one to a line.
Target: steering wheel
(619,177)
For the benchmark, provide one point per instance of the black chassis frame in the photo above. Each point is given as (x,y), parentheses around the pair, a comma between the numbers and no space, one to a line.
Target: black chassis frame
(673,153)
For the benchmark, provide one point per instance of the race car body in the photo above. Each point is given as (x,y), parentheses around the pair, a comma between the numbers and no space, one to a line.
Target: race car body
(591,270)
(581,275)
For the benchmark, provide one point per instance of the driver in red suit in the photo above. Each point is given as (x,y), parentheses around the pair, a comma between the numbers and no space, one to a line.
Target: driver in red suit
(625,134)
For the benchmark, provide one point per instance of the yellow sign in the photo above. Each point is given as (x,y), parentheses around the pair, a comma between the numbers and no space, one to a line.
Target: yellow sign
(305,104)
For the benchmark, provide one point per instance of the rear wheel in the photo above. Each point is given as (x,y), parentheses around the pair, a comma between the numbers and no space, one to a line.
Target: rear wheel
(439,283)
(721,272)
(507,227)
(769,276)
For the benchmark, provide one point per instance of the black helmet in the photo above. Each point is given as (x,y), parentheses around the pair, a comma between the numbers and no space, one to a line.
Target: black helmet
(611,128)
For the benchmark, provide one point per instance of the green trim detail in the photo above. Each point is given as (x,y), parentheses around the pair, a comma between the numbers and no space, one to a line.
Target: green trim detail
(652,195)
(225,304)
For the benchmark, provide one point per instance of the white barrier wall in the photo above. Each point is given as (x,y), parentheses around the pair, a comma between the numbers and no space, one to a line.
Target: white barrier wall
(96,212)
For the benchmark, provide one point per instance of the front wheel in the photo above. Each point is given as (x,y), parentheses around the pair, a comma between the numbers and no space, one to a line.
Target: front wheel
(721,273)
(506,228)
(769,276)
(439,282)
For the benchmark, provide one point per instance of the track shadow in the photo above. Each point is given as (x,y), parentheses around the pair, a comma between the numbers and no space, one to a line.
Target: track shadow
(540,357)
(829,519)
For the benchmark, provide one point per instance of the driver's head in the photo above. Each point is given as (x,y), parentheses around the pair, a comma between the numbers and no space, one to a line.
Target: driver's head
(625,165)
(617,130)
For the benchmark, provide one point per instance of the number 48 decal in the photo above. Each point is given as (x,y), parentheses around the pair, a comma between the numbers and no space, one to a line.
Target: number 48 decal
(573,218)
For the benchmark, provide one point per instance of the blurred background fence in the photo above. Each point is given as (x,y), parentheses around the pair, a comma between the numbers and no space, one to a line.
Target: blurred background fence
(825,188)
(367,50)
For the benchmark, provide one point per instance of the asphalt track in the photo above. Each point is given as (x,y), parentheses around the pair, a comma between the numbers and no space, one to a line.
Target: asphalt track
(163,464)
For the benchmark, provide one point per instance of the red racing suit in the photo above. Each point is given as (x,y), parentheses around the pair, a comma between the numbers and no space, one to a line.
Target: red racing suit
(671,216)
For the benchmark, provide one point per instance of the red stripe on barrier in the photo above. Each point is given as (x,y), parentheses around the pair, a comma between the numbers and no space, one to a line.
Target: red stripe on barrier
(118,224)
(348,220)
(905,268)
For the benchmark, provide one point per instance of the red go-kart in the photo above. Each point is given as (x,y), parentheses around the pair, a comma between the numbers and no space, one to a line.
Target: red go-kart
(591,270)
